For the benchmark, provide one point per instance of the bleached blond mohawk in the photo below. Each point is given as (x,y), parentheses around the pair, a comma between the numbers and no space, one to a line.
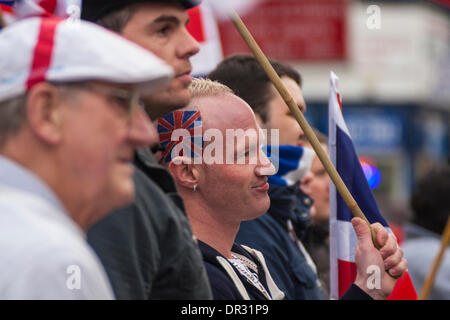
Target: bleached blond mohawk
(200,87)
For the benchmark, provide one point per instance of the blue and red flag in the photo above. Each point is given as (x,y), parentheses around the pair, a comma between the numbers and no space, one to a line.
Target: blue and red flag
(181,130)
(342,236)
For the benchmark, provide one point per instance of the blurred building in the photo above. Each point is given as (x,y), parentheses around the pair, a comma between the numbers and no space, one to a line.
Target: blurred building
(393,61)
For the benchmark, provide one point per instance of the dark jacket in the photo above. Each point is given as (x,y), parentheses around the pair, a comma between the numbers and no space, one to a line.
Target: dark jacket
(317,241)
(147,248)
(269,234)
(226,281)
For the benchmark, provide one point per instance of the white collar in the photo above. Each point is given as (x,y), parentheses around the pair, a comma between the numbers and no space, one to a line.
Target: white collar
(16,178)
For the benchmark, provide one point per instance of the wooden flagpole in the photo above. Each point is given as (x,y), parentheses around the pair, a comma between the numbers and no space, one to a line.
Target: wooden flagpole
(429,280)
(309,133)
(2,19)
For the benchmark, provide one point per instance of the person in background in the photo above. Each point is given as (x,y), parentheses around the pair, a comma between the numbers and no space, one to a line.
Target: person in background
(431,209)
(148,248)
(316,185)
(68,128)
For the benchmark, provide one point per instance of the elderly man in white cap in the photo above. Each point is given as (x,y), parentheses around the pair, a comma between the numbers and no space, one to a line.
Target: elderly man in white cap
(69,125)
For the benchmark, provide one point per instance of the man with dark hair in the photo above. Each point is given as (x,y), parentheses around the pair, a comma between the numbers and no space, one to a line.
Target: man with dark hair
(160,27)
(316,184)
(431,209)
(148,248)
(243,74)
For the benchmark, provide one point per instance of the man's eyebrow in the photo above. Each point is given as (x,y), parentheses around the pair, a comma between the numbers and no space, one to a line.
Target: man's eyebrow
(168,18)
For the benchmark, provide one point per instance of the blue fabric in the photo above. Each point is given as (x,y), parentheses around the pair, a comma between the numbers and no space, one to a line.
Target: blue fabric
(7,2)
(349,168)
(289,158)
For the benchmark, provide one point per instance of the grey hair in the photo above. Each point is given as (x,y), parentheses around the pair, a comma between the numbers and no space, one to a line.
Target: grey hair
(12,117)
(13,112)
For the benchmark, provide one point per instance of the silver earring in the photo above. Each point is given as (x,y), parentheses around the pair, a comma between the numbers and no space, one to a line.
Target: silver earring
(195,187)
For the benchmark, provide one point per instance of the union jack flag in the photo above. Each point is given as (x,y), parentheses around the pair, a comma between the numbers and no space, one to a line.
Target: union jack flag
(342,236)
(183,130)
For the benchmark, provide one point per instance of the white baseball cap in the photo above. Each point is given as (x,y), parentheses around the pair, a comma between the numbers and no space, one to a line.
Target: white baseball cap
(55,50)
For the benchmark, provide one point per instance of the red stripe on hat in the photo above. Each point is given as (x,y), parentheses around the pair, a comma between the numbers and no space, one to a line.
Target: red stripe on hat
(48,5)
(43,51)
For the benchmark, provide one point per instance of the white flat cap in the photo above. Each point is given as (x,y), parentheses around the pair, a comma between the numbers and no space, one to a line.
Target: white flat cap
(51,49)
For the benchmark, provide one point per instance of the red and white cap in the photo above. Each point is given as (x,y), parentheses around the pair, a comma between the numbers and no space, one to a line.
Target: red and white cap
(51,49)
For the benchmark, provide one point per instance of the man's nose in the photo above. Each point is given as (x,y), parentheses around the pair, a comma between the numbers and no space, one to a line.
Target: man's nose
(188,46)
(305,183)
(141,132)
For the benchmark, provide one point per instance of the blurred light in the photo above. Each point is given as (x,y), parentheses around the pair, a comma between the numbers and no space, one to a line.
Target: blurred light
(372,173)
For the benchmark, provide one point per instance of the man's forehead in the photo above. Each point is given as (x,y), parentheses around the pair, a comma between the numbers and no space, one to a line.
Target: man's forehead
(225,111)
(151,17)
(159,12)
